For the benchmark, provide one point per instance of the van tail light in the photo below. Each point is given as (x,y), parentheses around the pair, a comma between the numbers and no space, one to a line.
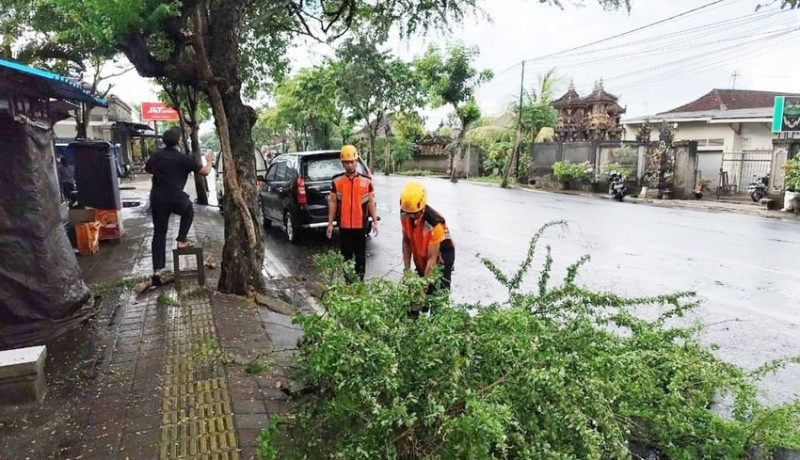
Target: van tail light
(302,199)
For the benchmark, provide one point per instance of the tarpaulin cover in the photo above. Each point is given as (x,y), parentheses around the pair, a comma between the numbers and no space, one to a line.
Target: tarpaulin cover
(41,291)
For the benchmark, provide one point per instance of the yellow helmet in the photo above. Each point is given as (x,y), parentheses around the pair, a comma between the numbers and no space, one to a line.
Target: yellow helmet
(413,198)
(348,153)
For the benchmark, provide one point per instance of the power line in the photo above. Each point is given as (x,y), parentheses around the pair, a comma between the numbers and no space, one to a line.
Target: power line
(647,26)
(729,58)
(729,50)
(705,30)
(664,50)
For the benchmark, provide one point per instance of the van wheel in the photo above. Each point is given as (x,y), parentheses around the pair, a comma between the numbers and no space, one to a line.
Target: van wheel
(293,230)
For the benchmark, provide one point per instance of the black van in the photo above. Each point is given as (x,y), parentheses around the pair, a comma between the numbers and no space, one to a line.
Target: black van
(294,192)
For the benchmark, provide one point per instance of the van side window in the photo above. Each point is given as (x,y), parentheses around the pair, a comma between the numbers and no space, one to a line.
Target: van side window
(271,173)
(280,175)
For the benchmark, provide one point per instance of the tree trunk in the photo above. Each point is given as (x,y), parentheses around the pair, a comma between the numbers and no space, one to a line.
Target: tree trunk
(387,152)
(514,158)
(82,121)
(372,137)
(459,151)
(243,252)
(199,181)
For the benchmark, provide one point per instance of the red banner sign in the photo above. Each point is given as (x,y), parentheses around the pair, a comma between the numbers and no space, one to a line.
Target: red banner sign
(156,111)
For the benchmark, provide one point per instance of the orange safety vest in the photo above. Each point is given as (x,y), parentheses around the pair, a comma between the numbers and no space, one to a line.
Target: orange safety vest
(352,196)
(430,228)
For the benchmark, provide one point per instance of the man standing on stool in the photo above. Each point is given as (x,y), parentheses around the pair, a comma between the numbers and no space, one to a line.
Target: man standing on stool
(170,169)
(352,197)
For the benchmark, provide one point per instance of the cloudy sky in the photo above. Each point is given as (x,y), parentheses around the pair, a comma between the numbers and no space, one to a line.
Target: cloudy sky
(652,70)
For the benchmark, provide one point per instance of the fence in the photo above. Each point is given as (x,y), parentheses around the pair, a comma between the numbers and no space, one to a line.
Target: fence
(544,155)
(739,169)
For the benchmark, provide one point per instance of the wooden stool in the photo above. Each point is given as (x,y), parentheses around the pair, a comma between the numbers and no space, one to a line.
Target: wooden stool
(186,274)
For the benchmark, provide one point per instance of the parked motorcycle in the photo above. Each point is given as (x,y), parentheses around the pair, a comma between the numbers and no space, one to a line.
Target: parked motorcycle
(758,188)
(618,189)
(127,172)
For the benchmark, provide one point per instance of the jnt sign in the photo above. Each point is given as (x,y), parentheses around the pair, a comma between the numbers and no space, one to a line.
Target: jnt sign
(156,111)
(786,117)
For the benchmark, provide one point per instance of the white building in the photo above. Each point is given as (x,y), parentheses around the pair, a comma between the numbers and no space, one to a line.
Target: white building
(722,121)
(100,121)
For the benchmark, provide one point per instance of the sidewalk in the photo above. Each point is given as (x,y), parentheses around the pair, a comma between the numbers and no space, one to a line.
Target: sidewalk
(707,204)
(164,374)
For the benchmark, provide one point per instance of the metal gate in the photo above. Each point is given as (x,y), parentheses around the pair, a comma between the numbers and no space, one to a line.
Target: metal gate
(739,169)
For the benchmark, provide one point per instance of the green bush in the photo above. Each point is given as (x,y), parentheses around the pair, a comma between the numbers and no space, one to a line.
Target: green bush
(566,170)
(625,171)
(792,169)
(559,373)
(497,156)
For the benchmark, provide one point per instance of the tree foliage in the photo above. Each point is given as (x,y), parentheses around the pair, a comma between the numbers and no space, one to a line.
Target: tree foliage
(307,108)
(450,79)
(533,112)
(558,373)
(374,84)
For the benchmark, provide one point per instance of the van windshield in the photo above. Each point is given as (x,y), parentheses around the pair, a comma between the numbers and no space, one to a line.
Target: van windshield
(324,168)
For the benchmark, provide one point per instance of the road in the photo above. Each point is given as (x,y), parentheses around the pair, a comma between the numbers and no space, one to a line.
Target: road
(743,268)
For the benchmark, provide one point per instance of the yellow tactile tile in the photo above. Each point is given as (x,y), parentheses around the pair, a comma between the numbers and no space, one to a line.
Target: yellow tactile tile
(196,415)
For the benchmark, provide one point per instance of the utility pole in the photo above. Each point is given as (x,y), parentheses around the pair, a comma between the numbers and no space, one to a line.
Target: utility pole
(735,74)
(514,160)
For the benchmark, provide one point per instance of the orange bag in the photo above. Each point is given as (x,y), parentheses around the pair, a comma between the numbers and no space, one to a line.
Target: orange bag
(88,236)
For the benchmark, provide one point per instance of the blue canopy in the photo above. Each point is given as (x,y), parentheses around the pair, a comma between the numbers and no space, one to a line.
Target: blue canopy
(39,83)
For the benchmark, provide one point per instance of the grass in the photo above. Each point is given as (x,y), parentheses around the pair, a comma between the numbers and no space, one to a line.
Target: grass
(257,366)
(166,299)
(206,351)
(416,172)
(122,283)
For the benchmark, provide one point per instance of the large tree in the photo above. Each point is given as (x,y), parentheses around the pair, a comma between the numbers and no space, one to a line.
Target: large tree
(306,108)
(451,80)
(373,84)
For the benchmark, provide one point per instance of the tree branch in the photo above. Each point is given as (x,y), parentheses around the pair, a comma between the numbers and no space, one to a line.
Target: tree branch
(231,175)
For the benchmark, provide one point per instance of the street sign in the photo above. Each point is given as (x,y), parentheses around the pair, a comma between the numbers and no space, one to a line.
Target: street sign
(786,116)
(156,111)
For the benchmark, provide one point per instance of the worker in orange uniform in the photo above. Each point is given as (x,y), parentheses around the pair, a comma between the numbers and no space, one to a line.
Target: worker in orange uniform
(352,198)
(426,238)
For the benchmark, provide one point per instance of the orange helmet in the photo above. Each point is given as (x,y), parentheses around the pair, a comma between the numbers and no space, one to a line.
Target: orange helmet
(413,198)
(348,153)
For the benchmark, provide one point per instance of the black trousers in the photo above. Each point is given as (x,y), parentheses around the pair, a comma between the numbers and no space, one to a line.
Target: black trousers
(447,258)
(162,206)
(353,244)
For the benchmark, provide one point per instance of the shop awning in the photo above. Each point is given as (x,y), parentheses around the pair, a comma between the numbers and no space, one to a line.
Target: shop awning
(21,79)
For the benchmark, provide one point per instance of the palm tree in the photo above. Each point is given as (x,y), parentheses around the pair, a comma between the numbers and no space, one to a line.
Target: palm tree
(533,114)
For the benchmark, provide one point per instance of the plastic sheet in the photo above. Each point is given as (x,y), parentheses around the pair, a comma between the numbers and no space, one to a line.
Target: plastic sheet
(41,292)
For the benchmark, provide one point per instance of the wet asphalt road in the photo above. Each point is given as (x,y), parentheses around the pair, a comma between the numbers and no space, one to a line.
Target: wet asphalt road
(744,268)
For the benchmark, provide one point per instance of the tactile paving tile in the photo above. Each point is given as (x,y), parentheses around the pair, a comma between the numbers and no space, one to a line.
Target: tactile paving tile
(196,415)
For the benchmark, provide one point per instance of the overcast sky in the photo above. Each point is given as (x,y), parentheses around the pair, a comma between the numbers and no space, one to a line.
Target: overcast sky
(652,70)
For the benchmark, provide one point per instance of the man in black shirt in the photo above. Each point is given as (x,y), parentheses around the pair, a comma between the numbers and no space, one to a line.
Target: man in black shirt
(170,169)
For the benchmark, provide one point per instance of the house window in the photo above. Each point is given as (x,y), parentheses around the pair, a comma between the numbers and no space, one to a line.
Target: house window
(710,143)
